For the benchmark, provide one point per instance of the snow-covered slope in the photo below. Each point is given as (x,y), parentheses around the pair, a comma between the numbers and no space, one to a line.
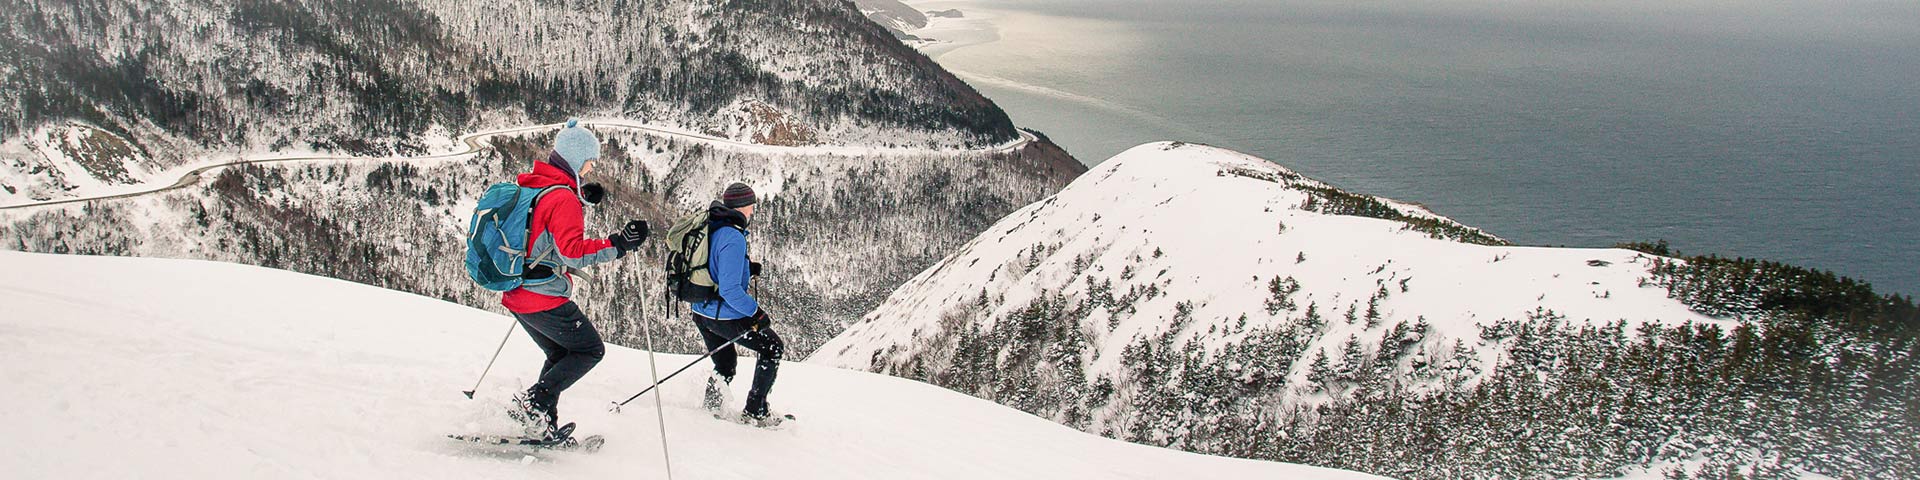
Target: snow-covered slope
(148,368)
(1191,238)
(1198,298)
(897,17)
(57,159)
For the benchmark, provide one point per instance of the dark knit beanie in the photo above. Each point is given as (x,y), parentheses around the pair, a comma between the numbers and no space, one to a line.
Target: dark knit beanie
(738,195)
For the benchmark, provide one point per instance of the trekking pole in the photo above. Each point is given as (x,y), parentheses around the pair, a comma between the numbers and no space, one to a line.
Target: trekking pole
(617,405)
(496,357)
(659,412)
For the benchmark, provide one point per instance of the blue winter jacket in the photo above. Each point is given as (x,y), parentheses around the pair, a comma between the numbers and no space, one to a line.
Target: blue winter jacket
(727,262)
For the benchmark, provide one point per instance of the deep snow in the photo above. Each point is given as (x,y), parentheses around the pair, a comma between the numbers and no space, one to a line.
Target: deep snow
(151,368)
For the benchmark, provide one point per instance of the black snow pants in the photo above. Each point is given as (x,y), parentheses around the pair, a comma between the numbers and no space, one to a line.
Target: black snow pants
(572,346)
(763,342)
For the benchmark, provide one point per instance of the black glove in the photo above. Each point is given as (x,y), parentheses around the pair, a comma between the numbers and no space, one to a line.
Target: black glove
(635,231)
(592,193)
(761,321)
(629,237)
(753,269)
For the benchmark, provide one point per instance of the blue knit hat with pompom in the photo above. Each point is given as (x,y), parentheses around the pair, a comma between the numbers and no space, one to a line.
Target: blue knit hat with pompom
(576,145)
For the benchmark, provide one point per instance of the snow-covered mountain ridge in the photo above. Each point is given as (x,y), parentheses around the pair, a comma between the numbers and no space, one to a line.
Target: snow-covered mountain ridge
(1198,236)
(180,80)
(898,18)
(246,372)
(1193,297)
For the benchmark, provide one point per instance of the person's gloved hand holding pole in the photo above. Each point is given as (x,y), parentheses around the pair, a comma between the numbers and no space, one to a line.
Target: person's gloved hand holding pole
(760,320)
(629,237)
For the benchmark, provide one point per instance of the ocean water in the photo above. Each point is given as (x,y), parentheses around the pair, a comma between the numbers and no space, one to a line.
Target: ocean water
(1788,130)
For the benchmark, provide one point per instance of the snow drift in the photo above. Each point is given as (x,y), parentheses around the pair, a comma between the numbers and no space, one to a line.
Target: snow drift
(146,368)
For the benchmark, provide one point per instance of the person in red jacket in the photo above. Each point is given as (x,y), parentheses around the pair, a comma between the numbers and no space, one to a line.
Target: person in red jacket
(559,247)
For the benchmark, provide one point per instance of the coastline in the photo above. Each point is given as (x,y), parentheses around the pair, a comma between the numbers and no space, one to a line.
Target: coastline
(943,35)
(1053,107)
(1544,153)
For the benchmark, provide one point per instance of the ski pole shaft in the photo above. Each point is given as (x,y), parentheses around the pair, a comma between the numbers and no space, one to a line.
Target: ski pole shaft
(659,412)
(496,357)
(682,369)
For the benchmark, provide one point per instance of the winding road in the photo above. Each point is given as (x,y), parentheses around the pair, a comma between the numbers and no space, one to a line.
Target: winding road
(473,146)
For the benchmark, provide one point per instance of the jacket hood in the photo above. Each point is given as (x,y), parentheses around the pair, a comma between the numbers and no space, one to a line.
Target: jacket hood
(546,175)
(719,215)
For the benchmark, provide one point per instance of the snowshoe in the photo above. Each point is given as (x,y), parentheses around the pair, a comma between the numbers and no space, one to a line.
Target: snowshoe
(770,421)
(561,439)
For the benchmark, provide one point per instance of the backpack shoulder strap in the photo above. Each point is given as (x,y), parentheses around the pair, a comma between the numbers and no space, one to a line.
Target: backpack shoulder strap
(549,189)
(533,207)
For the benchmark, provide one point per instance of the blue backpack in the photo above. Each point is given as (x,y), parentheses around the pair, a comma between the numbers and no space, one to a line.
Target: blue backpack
(497,235)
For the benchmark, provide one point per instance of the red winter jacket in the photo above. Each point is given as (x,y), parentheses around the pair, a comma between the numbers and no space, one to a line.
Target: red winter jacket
(556,236)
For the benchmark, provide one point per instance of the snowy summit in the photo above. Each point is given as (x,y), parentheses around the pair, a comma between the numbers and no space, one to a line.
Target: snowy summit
(1219,232)
(1203,299)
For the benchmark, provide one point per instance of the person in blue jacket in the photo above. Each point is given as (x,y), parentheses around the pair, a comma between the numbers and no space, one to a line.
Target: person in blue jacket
(736,313)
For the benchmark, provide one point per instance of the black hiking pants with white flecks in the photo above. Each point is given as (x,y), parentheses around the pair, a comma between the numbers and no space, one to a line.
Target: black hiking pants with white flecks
(572,346)
(762,342)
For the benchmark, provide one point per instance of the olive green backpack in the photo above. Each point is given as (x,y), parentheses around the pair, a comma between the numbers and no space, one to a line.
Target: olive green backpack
(687,257)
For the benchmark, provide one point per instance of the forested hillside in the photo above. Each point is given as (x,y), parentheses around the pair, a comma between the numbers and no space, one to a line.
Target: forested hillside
(1200,299)
(183,80)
